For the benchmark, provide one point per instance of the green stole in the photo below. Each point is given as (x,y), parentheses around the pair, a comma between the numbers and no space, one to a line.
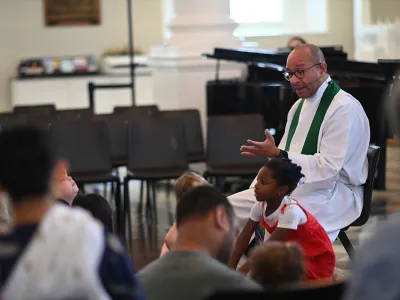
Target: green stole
(311,143)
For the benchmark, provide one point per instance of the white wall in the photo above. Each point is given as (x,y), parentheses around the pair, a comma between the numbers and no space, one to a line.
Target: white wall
(23,34)
(340,29)
(385,10)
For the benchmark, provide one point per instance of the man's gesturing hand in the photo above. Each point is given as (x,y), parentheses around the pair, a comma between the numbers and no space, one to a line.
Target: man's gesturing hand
(266,148)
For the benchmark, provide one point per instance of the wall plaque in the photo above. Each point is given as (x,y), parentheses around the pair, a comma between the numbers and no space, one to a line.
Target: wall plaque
(71,12)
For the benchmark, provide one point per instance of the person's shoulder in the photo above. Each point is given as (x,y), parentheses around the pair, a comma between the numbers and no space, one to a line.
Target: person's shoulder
(294,106)
(258,204)
(384,235)
(66,214)
(151,269)
(344,100)
(69,221)
(237,279)
(378,255)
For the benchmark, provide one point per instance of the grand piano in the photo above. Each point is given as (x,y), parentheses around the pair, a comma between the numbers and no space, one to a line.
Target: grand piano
(266,92)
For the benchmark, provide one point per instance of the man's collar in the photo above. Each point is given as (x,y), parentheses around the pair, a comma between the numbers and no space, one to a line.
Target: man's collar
(320,90)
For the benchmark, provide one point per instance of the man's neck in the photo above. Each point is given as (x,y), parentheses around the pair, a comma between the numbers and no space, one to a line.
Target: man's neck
(190,241)
(31,210)
(321,81)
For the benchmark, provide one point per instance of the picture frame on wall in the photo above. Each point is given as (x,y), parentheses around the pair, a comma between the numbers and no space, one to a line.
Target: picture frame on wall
(72,12)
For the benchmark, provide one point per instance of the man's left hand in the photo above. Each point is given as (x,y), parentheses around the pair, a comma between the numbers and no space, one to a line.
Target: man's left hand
(266,148)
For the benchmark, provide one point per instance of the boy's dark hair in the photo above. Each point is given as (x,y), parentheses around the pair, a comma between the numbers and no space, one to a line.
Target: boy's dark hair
(285,172)
(26,162)
(276,264)
(97,206)
(199,202)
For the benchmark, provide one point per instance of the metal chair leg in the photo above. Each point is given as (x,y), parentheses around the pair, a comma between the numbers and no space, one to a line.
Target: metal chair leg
(154,202)
(344,239)
(141,197)
(122,207)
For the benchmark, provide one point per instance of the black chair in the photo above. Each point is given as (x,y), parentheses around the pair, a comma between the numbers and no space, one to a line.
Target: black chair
(157,151)
(373,158)
(38,110)
(150,110)
(326,292)
(74,114)
(118,133)
(225,135)
(85,144)
(40,121)
(4,119)
(193,132)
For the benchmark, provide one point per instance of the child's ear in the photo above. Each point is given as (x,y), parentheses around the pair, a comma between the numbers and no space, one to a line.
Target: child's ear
(283,190)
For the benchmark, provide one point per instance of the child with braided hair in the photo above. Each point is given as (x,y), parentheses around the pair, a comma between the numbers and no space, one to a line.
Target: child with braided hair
(284,219)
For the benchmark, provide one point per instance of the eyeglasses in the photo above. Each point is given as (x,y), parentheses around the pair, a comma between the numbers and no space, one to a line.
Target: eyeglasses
(298,73)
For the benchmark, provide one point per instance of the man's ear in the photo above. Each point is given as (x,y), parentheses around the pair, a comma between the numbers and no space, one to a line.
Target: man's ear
(221,218)
(324,68)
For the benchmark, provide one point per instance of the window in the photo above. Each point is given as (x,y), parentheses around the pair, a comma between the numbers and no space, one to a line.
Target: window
(279,17)
(256,11)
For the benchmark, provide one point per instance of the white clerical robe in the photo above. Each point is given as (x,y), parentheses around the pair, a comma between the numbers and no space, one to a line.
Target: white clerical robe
(61,261)
(333,190)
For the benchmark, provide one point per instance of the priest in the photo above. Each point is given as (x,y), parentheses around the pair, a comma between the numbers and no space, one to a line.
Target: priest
(327,134)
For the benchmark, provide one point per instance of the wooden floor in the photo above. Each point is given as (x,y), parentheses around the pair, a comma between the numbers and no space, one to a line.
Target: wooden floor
(148,235)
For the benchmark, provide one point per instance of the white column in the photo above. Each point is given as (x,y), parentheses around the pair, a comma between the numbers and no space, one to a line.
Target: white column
(180,73)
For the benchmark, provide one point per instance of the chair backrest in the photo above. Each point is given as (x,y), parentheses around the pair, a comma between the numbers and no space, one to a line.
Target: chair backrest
(85,144)
(118,134)
(149,110)
(74,114)
(373,158)
(225,135)
(193,131)
(46,109)
(326,292)
(40,121)
(156,144)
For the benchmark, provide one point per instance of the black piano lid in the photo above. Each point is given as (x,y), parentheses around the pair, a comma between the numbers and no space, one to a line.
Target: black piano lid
(340,67)
(391,66)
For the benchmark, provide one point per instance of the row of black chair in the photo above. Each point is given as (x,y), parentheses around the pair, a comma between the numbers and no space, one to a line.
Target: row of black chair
(154,145)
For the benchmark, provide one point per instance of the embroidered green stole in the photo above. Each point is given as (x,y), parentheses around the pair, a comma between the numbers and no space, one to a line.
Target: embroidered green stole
(311,143)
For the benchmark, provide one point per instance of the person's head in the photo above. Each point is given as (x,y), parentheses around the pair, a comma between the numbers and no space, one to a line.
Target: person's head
(295,41)
(187,181)
(28,164)
(65,187)
(97,206)
(204,217)
(306,70)
(277,263)
(276,179)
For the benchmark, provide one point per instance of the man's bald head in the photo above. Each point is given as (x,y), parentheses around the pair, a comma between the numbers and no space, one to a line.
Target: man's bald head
(313,51)
(306,69)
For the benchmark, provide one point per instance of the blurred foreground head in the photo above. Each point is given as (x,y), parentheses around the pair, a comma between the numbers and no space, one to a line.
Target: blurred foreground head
(28,164)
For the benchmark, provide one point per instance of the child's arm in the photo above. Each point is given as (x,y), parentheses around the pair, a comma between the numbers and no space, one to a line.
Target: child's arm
(171,236)
(242,242)
(279,234)
(288,221)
